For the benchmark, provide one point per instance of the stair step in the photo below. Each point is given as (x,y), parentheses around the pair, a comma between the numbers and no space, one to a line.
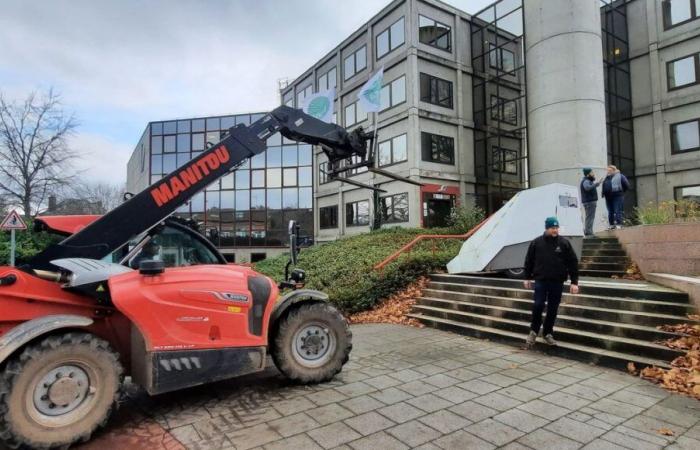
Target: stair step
(605,273)
(563,334)
(605,259)
(565,349)
(586,253)
(602,287)
(642,312)
(569,316)
(594,265)
(602,246)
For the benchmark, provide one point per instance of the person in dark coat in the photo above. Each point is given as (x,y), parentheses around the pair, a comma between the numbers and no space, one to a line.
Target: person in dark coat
(589,198)
(550,261)
(614,187)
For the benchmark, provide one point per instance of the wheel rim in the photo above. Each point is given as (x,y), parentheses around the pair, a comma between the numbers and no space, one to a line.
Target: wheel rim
(313,345)
(517,271)
(63,394)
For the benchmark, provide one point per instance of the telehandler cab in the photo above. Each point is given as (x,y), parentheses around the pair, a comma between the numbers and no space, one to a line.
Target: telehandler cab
(101,304)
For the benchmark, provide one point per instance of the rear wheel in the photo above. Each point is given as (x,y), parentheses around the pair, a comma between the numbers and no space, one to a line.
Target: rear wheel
(516,274)
(57,392)
(312,343)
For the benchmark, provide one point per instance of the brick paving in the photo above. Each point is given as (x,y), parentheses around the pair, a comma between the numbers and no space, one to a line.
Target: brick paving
(417,388)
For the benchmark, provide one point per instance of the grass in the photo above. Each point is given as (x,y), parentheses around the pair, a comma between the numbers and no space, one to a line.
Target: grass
(668,212)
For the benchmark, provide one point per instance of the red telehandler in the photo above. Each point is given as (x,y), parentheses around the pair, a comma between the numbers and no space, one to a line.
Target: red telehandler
(99,306)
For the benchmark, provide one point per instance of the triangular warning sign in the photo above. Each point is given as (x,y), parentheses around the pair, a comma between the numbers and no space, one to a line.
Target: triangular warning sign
(13,221)
(100,288)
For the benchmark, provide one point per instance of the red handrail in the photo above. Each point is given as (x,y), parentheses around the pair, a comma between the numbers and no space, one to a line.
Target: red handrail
(417,239)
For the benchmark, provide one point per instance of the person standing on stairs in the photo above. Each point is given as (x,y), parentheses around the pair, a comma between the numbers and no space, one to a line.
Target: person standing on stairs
(615,185)
(550,261)
(589,198)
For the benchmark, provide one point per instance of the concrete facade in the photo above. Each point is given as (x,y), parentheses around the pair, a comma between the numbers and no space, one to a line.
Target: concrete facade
(565,90)
(656,107)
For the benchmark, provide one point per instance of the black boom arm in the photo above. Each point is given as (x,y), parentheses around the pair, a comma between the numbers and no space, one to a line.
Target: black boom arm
(151,206)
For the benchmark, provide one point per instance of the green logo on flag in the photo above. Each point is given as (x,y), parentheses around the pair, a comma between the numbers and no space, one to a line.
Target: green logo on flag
(319,107)
(372,92)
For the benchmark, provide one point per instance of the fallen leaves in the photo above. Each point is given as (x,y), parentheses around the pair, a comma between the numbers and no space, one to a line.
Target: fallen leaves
(631,368)
(665,431)
(631,273)
(684,374)
(394,308)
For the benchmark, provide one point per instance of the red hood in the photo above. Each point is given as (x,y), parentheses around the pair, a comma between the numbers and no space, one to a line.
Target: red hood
(63,224)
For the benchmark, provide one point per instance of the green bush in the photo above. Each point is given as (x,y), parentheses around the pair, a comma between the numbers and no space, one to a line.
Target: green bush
(28,244)
(464,218)
(668,212)
(344,269)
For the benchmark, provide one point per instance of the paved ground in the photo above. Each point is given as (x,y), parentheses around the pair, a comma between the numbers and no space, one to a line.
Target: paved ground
(417,388)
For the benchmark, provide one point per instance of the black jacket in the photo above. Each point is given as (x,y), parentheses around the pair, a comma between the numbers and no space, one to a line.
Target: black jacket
(551,259)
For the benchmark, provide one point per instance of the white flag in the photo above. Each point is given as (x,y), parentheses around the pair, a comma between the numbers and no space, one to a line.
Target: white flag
(370,94)
(320,105)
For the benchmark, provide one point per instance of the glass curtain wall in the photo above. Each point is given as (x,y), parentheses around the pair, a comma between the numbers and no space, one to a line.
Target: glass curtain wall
(499,103)
(251,206)
(618,96)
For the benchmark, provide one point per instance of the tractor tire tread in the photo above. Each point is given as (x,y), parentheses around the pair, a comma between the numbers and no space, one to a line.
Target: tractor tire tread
(285,361)
(13,368)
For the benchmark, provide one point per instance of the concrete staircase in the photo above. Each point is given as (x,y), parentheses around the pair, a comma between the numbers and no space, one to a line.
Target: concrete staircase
(610,322)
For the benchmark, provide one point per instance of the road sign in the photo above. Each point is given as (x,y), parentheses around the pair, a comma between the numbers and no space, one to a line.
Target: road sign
(13,221)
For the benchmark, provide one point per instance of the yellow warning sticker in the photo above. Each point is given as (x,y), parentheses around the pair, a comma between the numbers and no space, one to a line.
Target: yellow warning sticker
(234,309)
(100,288)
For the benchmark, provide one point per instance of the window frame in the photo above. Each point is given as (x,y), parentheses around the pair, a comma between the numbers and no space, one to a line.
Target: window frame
(345,116)
(696,64)
(350,204)
(353,55)
(502,167)
(334,225)
(500,109)
(423,152)
(666,14)
(675,151)
(391,151)
(437,80)
(499,59)
(326,74)
(436,22)
(391,93)
(393,202)
(388,31)
(676,189)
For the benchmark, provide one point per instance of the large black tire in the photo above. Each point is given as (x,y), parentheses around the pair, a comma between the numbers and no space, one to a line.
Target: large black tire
(87,386)
(515,274)
(298,349)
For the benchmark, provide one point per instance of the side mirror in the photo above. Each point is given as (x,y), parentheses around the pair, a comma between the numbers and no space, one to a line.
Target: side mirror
(151,267)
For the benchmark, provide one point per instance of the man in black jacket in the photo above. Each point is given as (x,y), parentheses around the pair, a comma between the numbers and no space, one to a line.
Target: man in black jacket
(550,261)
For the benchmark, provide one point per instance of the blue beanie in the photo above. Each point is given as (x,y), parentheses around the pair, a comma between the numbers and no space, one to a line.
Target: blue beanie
(550,222)
(587,170)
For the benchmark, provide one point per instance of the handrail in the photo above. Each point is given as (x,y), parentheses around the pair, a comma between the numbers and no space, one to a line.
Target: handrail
(417,239)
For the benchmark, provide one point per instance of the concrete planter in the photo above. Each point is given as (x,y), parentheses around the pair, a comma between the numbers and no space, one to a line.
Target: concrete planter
(670,248)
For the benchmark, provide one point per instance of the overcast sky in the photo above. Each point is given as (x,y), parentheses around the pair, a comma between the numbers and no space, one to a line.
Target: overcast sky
(123,63)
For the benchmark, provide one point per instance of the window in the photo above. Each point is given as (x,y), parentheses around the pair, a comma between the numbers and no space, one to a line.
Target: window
(435,90)
(688,193)
(323,173)
(392,151)
(678,12)
(504,110)
(355,63)
(354,114)
(394,208)
(390,39)
(436,148)
(501,58)
(357,213)
(302,94)
(327,80)
(685,136)
(257,257)
(288,98)
(505,161)
(393,93)
(177,248)
(434,33)
(328,217)
(683,72)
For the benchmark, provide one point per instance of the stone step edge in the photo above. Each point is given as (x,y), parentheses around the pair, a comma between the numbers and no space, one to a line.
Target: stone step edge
(565,316)
(512,336)
(561,329)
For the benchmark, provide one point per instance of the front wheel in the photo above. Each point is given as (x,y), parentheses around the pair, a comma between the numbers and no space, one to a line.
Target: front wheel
(58,391)
(515,274)
(312,344)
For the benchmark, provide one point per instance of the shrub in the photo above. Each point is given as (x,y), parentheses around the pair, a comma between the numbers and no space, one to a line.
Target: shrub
(28,244)
(464,218)
(344,269)
(668,212)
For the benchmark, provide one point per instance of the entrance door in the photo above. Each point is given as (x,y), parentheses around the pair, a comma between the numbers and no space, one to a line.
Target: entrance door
(438,211)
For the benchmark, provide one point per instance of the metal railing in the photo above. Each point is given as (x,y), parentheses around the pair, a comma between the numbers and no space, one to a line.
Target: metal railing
(407,248)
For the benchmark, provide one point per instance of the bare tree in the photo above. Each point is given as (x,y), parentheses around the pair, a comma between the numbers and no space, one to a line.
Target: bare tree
(34,155)
(108,196)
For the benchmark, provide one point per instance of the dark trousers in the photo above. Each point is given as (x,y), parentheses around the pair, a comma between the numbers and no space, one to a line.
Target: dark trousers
(589,209)
(615,205)
(548,292)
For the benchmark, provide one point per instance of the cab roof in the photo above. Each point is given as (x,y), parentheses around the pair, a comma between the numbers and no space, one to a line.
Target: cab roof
(65,225)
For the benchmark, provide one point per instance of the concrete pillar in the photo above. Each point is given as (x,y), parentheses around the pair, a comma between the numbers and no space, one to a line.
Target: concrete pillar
(565,92)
